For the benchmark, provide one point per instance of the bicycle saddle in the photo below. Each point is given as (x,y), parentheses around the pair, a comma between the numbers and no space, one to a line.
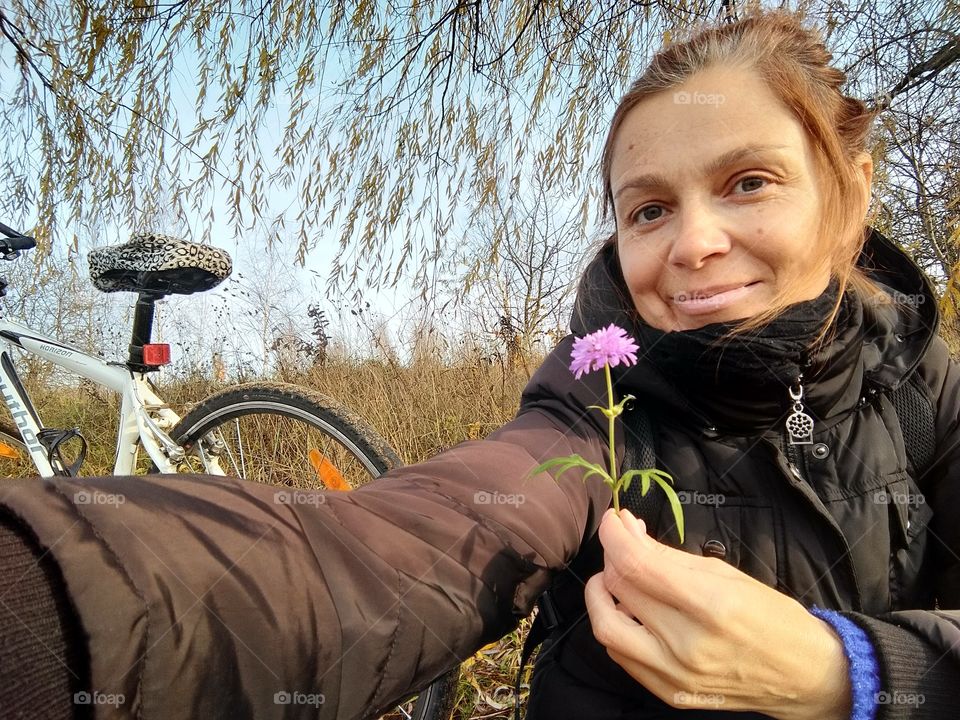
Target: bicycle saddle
(158,264)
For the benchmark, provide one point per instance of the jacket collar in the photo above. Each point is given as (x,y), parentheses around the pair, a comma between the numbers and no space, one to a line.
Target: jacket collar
(878,350)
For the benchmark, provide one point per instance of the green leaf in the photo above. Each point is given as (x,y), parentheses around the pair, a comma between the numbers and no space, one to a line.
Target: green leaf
(664,480)
(672,497)
(557,468)
(602,473)
(628,477)
(569,462)
(606,411)
(655,472)
(618,408)
(553,462)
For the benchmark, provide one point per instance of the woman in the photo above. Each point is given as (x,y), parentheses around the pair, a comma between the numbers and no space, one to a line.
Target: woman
(739,182)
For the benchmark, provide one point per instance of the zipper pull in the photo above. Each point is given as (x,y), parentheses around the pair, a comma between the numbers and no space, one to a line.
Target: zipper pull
(799,424)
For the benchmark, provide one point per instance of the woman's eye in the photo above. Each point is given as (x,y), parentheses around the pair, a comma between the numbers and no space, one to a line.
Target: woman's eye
(749,184)
(648,214)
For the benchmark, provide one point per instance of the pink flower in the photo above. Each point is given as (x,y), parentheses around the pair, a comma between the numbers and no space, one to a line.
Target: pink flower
(608,346)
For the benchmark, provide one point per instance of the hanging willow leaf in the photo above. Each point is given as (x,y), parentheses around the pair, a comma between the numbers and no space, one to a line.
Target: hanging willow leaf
(109,111)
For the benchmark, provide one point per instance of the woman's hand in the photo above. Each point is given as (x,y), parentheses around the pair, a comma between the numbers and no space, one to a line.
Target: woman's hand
(699,633)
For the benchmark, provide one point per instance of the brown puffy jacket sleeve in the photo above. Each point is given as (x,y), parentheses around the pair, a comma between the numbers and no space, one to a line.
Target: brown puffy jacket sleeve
(205,597)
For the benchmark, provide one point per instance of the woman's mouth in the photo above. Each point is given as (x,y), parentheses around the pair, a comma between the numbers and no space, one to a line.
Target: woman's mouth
(711,299)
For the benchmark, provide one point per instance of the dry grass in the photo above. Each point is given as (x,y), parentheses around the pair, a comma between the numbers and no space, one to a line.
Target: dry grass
(419,410)
(423,409)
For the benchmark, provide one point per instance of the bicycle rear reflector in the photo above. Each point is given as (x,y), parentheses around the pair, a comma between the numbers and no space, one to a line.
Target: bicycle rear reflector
(156,354)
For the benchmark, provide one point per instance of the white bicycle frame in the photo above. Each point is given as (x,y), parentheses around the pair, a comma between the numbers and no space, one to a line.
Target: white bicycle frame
(144,417)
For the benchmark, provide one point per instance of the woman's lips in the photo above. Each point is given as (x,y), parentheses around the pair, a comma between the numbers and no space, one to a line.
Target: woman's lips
(703,302)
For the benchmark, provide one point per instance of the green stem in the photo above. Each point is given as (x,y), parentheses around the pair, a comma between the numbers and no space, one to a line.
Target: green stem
(613,456)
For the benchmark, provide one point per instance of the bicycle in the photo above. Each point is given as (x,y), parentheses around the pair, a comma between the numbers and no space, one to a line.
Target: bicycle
(273,433)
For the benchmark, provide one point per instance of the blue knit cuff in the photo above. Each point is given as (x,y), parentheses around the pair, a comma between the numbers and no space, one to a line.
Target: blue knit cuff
(864,670)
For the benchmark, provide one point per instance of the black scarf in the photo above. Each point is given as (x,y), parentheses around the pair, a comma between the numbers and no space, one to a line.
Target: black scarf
(776,353)
(743,382)
(742,386)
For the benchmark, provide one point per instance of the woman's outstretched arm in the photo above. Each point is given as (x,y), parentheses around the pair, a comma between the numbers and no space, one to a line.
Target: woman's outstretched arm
(205,597)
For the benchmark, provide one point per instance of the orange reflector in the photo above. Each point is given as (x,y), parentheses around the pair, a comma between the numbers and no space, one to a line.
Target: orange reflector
(328,474)
(156,354)
(9,452)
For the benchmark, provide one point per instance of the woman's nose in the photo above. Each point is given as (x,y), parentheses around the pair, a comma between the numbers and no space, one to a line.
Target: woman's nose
(699,235)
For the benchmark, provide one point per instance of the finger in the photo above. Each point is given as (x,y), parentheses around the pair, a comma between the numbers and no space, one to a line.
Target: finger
(635,525)
(656,570)
(657,678)
(632,529)
(634,603)
(682,557)
(638,560)
(659,617)
(615,629)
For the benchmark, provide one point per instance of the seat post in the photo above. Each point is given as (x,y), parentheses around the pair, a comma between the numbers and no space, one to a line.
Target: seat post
(142,330)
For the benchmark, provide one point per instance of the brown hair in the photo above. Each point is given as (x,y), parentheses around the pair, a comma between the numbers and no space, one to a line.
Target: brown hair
(793,62)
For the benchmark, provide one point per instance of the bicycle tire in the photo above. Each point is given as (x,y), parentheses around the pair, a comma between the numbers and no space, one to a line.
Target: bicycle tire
(340,429)
(345,428)
(436,702)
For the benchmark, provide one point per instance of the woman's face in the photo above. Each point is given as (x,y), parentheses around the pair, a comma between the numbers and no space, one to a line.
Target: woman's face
(716,198)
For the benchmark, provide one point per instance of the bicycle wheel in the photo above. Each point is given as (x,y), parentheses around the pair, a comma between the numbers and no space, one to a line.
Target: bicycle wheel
(283,435)
(14,459)
(288,436)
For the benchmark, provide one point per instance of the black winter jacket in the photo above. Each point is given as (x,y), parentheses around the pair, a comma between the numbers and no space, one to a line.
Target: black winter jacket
(205,597)
(844,523)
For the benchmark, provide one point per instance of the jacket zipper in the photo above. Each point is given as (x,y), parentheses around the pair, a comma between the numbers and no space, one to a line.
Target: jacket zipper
(797,463)
(798,430)
(796,459)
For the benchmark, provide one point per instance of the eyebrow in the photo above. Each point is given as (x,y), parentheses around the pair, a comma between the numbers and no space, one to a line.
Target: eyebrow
(655,180)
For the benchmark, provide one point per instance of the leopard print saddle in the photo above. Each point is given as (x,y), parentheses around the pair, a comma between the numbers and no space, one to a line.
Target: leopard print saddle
(159,265)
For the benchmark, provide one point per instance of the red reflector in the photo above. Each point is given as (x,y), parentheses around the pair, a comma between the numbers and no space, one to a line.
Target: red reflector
(156,354)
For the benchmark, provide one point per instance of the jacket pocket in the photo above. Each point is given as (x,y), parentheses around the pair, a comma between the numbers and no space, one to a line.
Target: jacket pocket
(737,530)
(910,517)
